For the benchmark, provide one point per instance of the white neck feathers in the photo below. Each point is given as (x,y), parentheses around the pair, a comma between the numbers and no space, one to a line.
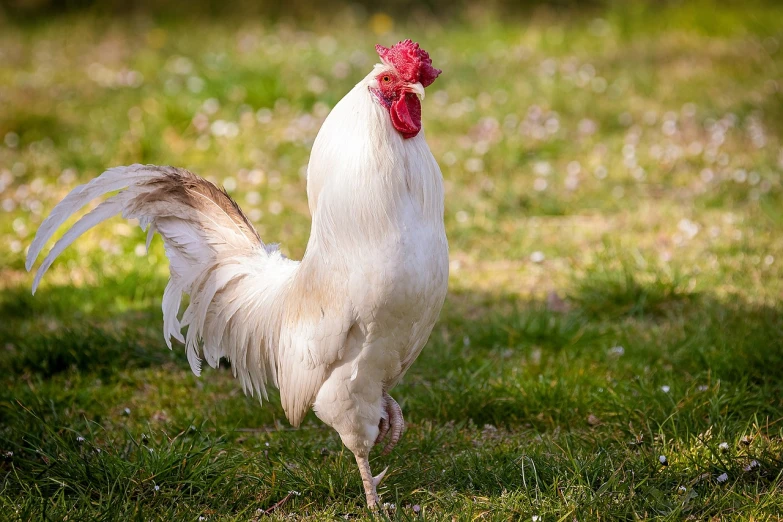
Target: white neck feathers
(374,174)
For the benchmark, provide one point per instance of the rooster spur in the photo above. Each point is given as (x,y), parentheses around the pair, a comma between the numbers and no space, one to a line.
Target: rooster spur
(336,331)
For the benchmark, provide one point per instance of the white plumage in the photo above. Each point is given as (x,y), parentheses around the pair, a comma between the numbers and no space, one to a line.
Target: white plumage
(334,332)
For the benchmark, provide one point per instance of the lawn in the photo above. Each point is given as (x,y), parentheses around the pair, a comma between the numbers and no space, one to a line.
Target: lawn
(611,344)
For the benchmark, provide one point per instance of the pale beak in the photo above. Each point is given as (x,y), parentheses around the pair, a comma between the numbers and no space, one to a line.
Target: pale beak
(417,89)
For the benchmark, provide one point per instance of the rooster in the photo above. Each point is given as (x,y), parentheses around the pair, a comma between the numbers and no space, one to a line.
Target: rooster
(336,331)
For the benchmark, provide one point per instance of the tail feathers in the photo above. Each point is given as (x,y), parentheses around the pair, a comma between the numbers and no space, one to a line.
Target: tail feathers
(237,284)
(109,181)
(102,212)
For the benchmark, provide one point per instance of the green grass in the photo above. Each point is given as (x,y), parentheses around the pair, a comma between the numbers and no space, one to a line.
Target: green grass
(613,207)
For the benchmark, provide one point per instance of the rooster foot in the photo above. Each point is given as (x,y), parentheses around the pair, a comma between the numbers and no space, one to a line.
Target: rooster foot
(390,426)
(392,422)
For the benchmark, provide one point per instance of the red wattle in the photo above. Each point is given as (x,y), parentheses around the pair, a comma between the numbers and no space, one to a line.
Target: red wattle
(406,115)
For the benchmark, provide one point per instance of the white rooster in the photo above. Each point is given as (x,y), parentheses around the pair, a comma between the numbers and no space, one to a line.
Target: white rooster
(336,331)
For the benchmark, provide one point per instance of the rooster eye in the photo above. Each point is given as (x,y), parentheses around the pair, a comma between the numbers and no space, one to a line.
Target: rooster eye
(386,79)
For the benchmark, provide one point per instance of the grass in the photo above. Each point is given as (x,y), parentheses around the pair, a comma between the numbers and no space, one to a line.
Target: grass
(613,206)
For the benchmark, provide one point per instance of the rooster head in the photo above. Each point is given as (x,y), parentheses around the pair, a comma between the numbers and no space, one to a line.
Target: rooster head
(399,84)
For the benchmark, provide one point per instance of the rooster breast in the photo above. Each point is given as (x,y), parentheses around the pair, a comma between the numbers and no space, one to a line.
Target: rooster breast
(399,292)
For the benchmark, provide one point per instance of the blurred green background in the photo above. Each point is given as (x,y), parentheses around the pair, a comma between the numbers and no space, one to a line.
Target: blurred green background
(613,206)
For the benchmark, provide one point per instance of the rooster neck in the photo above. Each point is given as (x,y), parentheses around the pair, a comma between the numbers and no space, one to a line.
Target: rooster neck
(366,184)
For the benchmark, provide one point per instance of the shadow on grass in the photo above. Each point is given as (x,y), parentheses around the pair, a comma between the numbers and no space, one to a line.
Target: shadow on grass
(86,349)
(493,359)
(617,287)
(110,297)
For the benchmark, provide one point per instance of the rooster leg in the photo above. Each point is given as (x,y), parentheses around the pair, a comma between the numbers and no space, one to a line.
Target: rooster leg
(370,483)
(396,421)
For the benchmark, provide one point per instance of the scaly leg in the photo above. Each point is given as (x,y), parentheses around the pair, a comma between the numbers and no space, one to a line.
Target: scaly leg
(370,483)
(392,424)
(395,423)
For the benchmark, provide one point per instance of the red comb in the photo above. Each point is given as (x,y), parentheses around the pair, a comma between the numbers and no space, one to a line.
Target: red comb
(412,62)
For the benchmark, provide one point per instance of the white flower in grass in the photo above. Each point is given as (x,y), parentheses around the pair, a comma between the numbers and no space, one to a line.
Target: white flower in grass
(723,446)
(540,184)
(753,465)
(542,168)
(681,490)
(79,439)
(11,140)
(663,460)
(474,165)
(665,389)
(157,488)
(536,518)
(723,477)
(537,256)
